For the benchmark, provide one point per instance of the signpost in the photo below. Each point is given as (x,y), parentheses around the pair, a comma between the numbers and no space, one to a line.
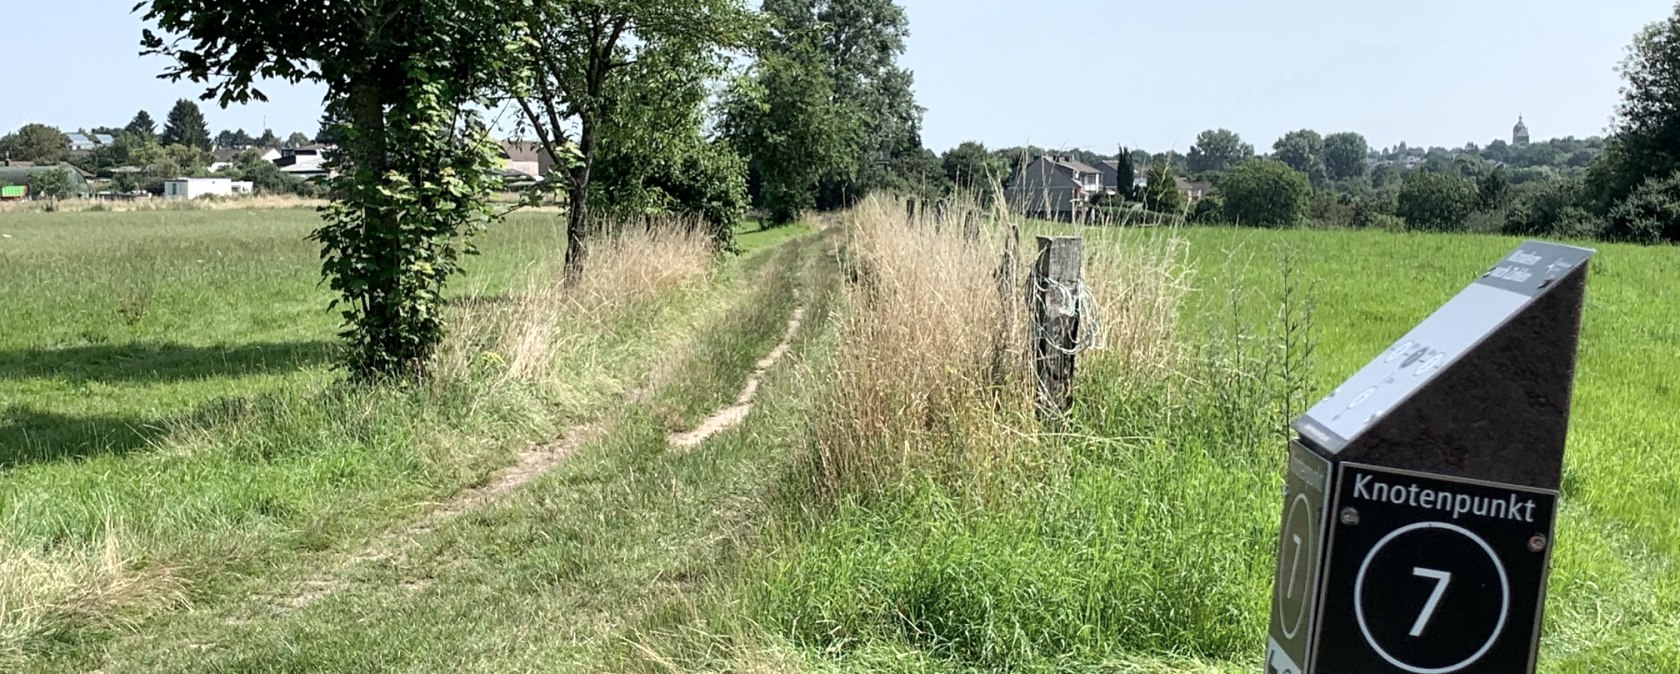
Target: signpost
(1420,495)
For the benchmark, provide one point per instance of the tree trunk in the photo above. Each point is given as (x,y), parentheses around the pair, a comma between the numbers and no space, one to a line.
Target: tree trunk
(577,249)
(385,350)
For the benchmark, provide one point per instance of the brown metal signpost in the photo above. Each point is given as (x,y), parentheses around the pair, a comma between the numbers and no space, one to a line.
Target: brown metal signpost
(1420,495)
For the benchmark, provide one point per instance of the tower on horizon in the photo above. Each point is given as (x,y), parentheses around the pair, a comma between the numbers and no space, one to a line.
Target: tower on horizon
(1519,135)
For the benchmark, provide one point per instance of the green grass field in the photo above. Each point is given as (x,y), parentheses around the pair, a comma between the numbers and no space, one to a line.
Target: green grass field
(1142,539)
(176,454)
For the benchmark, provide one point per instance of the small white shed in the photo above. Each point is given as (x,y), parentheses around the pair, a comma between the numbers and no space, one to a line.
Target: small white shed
(194,188)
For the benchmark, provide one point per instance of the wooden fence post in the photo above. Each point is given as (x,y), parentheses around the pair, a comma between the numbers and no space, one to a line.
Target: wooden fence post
(939,215)
(971,227)
(1055,316)
(910,211)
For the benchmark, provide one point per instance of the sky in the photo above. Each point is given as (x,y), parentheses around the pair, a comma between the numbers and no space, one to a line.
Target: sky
(1058,73)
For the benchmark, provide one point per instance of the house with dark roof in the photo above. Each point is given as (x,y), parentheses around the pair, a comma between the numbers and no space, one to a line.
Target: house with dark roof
(1054,187)
(304,162)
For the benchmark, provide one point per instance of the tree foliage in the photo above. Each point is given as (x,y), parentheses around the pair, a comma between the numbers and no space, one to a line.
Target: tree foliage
(402,79)
(1650,215)
(1161,193)
(142,125)
(185,126)
(1303,151)
(1125,174)
(1265,193)
(1647,122)
(1218,150)
(857,43)
(1437,201)
(1344,156)
(972,169)
(36,143)
(588,56)
(783,118)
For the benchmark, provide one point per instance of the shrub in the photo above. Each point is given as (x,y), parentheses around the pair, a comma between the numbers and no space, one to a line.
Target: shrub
(1267,193)
(1210,209)
(1555,209)
(1651,214)
(1437,201)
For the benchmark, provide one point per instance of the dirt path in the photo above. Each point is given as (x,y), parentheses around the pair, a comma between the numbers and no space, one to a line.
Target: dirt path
(733,415)
(531,464)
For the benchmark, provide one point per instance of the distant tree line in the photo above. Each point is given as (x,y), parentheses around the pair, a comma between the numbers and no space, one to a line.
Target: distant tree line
(140,156)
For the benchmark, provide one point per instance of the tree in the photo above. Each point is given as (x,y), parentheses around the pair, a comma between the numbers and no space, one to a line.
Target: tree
(972,169)
(1125,173)
(36,143)
(859,42)
(586,54)
(1161,193)
(654,157)
(142,125)
(404,80)
(268,140)
(783,119)
(1218,150)
(298,139)
(1646,127)
(1344,155)
(51,185)
(1303,151)
(1265,193)
(185,126)
(1384,175)
(1436,201)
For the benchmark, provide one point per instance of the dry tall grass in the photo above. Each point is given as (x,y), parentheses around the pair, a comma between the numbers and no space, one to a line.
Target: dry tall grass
(932,371)
(551,322)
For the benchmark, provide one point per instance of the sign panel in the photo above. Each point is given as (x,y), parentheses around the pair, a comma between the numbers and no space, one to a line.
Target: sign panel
(1306,488)
(1438,342)
(1433,575)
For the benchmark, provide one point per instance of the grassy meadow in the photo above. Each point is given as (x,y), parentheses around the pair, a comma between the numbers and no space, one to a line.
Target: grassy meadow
(171,430)
(1139,537)
(179,464)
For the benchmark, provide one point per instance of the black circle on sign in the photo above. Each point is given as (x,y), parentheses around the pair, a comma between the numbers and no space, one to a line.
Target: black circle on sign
(1436,561)
(1290,590)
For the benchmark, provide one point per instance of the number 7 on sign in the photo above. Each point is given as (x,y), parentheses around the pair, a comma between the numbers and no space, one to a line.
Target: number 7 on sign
(1442,579)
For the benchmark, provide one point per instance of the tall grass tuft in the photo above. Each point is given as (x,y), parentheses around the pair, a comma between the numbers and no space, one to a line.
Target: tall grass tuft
(931,373)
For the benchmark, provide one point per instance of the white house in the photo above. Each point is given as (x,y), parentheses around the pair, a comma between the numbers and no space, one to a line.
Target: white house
(194,188)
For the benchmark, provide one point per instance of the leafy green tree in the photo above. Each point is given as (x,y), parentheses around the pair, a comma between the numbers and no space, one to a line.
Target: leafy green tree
(1218,150)
(298,139)
(972,169)
(1344,156)
(50,185)
(1303,151)
(859,42)
(1384,175)
(1161,193)
(654,157)
(36,143)
(404,80)
(782,117)
(268,140)
(185,125)
(1437,201)
(1646,128)
(586,55)
(142,125)
(1265,193)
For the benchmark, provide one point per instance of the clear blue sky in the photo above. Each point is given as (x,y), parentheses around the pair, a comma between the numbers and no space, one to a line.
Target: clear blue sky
(1059,73)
